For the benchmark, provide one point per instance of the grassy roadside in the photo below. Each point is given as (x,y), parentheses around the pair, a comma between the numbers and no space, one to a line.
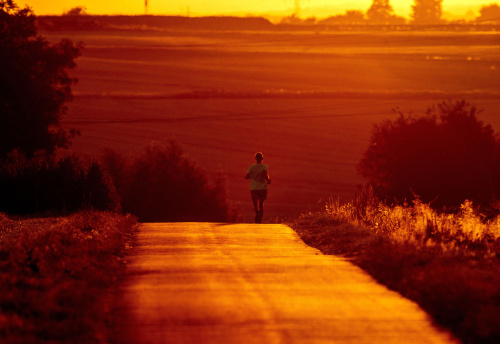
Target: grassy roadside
(54,273)
(448,264)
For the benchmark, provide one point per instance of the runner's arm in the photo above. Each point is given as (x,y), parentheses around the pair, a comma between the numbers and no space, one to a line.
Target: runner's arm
(266,176)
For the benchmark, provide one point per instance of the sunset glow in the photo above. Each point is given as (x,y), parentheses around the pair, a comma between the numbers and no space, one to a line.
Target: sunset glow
(310,8)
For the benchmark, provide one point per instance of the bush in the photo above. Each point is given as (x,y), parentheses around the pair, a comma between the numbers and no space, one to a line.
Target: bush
(44,184)
(444,157)
(162,184)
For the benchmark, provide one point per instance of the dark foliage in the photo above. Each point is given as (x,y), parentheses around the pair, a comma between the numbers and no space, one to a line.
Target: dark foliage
(162,184)
(44,184)
(352,17)
(82,21)
(381,12)
(490,14)
(445,157)
(34,84)
(76,11)
(427,12)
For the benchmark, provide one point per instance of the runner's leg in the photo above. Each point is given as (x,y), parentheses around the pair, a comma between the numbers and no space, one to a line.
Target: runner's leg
(255,199)
(262,198)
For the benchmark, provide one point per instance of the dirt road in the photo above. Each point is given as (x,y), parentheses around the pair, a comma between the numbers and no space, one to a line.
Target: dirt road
(210,283)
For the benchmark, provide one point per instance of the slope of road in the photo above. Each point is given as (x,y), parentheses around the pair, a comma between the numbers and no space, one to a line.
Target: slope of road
(245,283)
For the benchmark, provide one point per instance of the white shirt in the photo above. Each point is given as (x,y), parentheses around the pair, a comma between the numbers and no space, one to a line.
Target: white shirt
(257,181)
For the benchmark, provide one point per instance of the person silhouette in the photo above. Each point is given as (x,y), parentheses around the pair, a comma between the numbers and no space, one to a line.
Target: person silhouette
(259,179)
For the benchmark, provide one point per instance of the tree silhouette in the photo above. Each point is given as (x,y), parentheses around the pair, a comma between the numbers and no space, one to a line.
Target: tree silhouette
(354,16)
(427,12)
(162,184)
(379,11)
(490,13)
(76,11)
(444,157)
(34,84)
(46,184)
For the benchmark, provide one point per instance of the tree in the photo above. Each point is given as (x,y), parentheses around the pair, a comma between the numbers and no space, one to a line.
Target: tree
(76,11)
(379,11)
(490,14)
(34,84)
(444,157)
(162,184)
(354,17)
(427,12)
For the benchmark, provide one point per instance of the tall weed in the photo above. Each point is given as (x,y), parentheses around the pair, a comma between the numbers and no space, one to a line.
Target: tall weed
(448,263)
(419,224)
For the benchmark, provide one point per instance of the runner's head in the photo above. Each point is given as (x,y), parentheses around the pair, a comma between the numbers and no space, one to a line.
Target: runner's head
(259,157)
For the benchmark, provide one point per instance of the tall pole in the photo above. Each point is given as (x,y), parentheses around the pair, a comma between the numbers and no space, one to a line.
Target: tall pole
(297,7)
(146,6)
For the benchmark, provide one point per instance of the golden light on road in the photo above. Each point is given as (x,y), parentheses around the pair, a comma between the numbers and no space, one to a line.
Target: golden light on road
(256,284)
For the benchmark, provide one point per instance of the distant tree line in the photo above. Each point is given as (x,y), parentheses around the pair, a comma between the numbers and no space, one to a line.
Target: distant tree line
(423,12)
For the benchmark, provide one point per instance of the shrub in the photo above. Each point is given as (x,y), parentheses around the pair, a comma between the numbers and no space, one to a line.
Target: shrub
(445,157)
(99,192)
(162,184)
(44,184)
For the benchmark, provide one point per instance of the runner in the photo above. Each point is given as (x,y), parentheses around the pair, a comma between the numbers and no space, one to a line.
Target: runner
(259,178)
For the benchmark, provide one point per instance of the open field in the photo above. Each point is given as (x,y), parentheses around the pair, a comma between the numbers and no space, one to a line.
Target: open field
(307,100)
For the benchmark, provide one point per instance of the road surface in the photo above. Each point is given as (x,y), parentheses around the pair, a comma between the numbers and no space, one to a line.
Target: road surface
(246,283)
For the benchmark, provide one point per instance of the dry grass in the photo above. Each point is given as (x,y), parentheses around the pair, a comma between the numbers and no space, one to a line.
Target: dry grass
(448,263)
(54,275)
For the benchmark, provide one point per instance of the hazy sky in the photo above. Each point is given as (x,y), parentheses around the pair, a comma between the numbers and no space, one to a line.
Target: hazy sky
(317,8)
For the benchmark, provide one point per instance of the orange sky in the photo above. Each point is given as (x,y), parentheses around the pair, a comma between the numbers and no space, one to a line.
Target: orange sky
(308,8)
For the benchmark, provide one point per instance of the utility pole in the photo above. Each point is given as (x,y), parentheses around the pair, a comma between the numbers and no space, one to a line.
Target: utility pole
(146,7)
(297,8)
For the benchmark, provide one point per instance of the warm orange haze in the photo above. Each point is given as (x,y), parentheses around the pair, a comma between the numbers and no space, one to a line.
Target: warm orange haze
(137,151)
(310,8)
(307,100)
